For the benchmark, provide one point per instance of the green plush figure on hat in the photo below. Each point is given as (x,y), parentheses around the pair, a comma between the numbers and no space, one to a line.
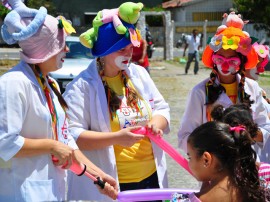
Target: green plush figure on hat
(128,12)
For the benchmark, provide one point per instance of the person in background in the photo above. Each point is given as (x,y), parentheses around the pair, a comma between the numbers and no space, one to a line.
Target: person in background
(107,102)
(229,54)
(193,43)
(139,55)
(35,145)
(263,59)
(225,163)
(240,114)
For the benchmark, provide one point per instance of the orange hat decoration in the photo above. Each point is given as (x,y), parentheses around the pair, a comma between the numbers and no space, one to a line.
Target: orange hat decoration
(231,36)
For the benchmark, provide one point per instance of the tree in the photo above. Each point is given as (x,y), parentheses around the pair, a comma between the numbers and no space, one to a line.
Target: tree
(256,11)
(3,12)
(32,4)
(48,4)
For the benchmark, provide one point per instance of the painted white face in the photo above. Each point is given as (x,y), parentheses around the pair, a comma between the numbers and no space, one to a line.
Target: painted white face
(122,62)
(226,66)
(226,71)
(60,59)
(254,73)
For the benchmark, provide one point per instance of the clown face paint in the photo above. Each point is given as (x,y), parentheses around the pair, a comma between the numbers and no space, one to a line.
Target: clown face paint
(254,73)
(226,66)
(122,62)
(60,59)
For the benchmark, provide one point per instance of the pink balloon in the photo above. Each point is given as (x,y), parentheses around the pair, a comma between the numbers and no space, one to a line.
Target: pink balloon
(150,194)
(165,146)
(79,169)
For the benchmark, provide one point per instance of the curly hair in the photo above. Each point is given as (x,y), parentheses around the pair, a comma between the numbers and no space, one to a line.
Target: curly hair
(237,114)
(236,156)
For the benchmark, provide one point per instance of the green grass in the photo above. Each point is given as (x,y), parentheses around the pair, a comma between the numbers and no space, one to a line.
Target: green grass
(264,81)
(2,71)
(6,65)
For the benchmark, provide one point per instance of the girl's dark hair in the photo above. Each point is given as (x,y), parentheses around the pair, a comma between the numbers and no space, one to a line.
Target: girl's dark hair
(235,154)
(213,90)
(237,114)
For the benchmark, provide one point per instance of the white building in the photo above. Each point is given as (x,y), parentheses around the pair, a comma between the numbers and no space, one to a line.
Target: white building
(193,14)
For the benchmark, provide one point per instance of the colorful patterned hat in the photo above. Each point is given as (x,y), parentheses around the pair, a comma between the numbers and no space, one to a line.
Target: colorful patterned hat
(231,36)
(113,29)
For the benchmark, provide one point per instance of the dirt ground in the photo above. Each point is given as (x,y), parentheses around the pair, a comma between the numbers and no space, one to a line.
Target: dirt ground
(174,85)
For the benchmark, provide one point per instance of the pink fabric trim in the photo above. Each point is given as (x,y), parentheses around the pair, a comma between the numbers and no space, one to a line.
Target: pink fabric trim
(47,42)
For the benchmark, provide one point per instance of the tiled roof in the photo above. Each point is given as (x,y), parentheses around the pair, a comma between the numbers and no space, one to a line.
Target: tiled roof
(175,3)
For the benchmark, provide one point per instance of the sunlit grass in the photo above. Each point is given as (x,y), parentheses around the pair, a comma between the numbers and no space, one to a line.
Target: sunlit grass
(6,65)
(264,80)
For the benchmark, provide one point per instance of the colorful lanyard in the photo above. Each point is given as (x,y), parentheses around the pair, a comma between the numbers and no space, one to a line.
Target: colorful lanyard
(51,105)
(126,93)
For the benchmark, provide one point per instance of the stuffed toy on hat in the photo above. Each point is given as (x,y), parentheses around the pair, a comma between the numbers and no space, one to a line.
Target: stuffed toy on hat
(128,12)
(232,20)
(231,36)
(12,23)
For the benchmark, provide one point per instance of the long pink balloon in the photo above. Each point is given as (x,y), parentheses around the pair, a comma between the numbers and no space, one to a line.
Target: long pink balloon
(80,169)
(165,146)
(150,194)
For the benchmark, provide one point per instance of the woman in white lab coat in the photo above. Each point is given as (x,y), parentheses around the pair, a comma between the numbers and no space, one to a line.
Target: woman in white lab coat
(107,102)
(229,54)
(33,122)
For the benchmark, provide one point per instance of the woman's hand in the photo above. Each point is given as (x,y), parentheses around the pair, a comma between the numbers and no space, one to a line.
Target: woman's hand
(62,155)
(110,188)
(127,138)
(154,130)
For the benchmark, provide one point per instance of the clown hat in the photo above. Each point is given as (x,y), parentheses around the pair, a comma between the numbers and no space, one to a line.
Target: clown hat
(40,36)
(231,36)
(113,29)
(109,41)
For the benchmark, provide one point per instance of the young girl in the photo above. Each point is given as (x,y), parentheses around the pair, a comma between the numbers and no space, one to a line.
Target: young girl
(229,54)
(226,164)
(240,114)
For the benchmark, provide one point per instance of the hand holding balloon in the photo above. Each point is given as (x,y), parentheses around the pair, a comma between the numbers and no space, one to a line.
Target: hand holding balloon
(166,147)
(80,169)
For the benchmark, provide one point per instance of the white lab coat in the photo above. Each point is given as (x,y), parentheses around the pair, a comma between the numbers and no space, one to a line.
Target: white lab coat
(24,114)
(87,103)
(195,113)
(264,152)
